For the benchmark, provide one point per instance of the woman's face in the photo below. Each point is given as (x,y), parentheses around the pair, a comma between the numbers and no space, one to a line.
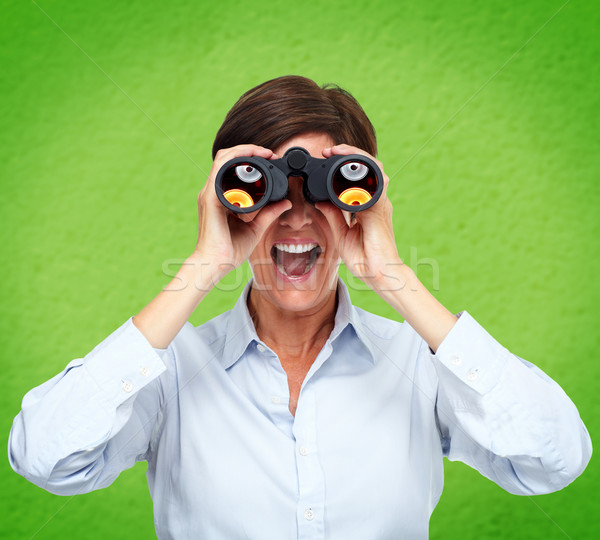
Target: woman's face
(295,263)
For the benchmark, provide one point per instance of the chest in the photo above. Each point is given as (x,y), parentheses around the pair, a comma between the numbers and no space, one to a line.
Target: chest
(296,370)
(360,444)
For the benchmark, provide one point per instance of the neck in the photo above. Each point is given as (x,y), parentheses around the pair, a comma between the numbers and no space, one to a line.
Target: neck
(292,333)
(296,337)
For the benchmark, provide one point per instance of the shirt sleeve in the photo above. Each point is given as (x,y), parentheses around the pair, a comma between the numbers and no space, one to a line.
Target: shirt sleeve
(503,416)
(79,430)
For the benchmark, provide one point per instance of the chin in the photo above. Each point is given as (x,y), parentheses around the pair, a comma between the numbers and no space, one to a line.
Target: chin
(300,301)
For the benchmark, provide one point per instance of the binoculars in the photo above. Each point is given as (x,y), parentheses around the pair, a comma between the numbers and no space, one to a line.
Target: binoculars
(246,184)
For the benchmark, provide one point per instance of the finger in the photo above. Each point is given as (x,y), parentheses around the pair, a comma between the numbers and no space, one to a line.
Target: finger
(246,218)
(242,150)
(345,149)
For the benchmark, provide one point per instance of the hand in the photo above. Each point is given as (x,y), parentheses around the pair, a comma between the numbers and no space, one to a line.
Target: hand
(225,239)
(365,240)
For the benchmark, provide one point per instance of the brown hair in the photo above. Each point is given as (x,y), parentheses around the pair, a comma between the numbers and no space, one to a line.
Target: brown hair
(275,111)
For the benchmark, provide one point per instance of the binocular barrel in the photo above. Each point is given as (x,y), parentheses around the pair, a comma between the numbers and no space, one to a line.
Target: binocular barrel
(246,184)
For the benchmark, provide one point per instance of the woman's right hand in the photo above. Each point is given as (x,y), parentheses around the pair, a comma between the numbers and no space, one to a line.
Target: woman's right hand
(225,239)
(224,242)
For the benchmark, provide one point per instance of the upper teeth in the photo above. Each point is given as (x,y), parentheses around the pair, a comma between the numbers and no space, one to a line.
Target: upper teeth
(296,248)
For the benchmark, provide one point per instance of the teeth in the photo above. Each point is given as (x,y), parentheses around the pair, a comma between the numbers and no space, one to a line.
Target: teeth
(312,249)
(296,248)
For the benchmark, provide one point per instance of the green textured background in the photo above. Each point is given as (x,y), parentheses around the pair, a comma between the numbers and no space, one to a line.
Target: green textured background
(487,115)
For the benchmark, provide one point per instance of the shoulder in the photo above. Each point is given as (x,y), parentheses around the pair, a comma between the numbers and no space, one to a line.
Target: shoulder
(399,350)
(213,330)
(382,328)
(388,337)
(198,344)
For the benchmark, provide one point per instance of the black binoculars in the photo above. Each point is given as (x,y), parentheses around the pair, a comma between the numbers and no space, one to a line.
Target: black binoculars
(246,184)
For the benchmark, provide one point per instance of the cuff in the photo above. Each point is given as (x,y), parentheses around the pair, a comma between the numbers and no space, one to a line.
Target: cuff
(472,355)
(123,363)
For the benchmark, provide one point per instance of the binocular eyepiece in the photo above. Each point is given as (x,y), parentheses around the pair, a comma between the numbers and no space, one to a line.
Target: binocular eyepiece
(246,184)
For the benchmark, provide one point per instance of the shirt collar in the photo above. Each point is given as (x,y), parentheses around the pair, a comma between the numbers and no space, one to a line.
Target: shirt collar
(241,333)
(240,330)
(348,316)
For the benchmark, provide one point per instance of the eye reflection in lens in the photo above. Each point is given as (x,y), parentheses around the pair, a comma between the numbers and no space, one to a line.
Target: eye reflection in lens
(247,173)
(354,171)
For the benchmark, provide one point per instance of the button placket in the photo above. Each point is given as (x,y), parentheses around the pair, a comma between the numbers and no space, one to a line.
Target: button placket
(276,393)
(311,484)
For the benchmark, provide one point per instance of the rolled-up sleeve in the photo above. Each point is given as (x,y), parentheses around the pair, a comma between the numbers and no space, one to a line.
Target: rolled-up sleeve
(503,416)
(79,430)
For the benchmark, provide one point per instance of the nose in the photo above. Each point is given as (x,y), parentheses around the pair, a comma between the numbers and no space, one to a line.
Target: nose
(301,212)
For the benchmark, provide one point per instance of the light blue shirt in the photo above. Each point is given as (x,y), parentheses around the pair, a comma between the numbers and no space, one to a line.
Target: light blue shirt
(362,458)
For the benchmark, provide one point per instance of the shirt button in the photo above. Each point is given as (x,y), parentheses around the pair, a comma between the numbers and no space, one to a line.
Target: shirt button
(276,399)
(472,375)
(456,360)
(144,371)
(303,451)
(309,514)
(127,386)
(261,347)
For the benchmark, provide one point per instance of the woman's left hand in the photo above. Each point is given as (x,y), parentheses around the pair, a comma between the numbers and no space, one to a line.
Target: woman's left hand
(365,240)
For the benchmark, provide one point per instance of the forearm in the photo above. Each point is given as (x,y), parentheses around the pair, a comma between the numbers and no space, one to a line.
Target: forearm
(401,289)
(104,405)
(165,315)
(504,416)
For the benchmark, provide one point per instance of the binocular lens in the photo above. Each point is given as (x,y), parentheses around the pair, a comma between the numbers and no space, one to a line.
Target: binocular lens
(243,185)
(354,183)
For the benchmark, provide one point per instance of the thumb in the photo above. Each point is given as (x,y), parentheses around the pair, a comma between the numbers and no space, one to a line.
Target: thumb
(335,218)
(269,214)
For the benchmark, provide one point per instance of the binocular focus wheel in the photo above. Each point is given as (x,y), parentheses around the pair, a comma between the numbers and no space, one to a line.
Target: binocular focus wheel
(354,196)
(239,198)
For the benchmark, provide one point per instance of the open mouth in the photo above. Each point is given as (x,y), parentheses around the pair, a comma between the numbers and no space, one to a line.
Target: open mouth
(295,260)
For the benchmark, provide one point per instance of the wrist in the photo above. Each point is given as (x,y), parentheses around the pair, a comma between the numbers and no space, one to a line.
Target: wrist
(388,277)
(204,272)
(403,290)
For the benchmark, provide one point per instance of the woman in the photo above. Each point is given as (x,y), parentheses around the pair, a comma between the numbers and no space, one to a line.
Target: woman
(297,415)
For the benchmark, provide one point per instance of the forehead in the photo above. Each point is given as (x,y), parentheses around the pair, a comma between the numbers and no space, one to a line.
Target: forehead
(315,143)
